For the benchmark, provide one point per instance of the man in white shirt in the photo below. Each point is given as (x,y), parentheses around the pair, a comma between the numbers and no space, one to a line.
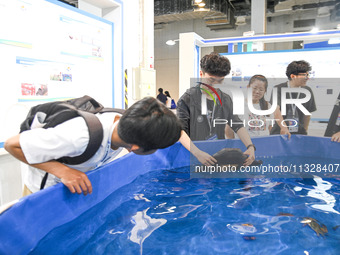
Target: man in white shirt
(145,127)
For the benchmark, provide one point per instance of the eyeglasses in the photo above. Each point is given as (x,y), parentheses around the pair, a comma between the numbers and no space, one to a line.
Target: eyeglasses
(305,75)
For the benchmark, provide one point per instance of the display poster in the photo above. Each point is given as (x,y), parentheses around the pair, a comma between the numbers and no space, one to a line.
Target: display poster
(50,51)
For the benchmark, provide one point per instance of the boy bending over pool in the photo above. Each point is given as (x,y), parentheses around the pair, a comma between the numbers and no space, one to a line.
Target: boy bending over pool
(146,126)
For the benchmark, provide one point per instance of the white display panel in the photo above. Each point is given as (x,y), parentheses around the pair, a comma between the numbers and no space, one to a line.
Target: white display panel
(50,51)
(324,80)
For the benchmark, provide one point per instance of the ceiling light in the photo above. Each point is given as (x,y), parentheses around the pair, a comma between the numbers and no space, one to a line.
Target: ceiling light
(201,4)
(202,10)
(171,42)
(198,1)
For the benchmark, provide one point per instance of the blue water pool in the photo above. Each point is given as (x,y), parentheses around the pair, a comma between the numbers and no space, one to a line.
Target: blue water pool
(164,211)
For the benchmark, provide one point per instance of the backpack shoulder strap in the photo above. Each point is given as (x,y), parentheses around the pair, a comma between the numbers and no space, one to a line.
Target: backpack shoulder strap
(95,140)
(95,136)
(117,110)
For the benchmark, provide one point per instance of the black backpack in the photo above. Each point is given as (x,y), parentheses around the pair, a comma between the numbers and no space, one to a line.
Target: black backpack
(61,111)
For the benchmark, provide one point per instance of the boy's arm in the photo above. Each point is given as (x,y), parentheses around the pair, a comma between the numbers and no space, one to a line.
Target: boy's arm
(202,156)
(245,138)
(229,133)
(74,180)
(279,120)
(183,113)
(306,120)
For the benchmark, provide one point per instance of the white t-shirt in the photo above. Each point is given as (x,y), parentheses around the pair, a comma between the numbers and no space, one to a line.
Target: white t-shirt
(67,139)
(256,125)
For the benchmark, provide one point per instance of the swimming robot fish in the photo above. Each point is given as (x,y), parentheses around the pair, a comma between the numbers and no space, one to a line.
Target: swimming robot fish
(233,157)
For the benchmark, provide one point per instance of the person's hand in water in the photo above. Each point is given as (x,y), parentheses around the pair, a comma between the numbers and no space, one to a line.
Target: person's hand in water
(204,158)
(251,156)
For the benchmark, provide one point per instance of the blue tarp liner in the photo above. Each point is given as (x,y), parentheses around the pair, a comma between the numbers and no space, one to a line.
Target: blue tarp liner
(33,217)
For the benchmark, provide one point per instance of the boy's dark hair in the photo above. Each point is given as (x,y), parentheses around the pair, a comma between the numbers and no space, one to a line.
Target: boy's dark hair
(215,64)
(160,90)
(297,67)
(149,124)
(259,77)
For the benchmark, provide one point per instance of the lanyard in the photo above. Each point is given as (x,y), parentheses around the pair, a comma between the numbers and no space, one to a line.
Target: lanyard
(293,105)
(204,109)
(212,117)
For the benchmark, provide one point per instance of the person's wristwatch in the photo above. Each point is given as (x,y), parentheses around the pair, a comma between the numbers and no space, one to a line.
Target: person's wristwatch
(251,145)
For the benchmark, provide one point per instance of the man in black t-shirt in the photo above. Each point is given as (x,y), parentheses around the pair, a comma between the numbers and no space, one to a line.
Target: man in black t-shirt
(161,97)
(298,74)
(199,126)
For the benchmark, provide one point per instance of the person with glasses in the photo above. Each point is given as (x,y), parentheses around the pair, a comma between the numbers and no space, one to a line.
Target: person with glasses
(259,125)
(297,122)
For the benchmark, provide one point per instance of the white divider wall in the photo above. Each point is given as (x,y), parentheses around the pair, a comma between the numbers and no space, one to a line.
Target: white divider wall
(189,57)
(10,170)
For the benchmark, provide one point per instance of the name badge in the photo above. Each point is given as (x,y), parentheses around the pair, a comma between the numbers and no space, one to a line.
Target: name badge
(293,125)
